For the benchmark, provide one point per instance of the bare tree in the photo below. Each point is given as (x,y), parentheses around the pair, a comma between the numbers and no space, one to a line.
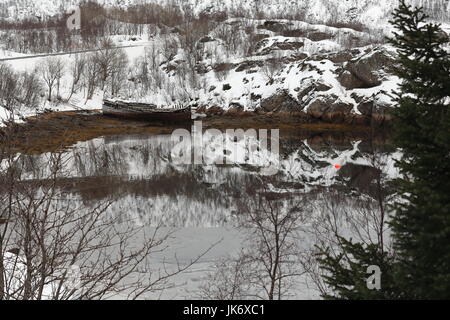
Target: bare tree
(169,47)
(118,71)
(229,281)
(90,75)
(51,71)
(111,64)
(272,66)
(9,87)
(267,266)
(103,58)
(31,89)
(54,245)
(76,71)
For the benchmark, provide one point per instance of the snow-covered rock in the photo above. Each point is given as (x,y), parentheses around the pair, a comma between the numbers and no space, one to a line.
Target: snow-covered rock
(368,12)
(347,85)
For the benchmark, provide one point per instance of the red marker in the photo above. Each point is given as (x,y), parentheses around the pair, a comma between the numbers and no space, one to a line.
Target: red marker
(337,166)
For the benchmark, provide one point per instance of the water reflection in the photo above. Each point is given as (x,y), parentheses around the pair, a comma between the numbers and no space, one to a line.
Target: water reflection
(138,172)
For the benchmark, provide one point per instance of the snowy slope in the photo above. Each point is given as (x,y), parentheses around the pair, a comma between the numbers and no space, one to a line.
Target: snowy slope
(366,11)
(318,65)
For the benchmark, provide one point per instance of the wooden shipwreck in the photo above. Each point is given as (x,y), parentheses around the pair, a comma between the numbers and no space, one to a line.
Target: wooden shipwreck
(144,111)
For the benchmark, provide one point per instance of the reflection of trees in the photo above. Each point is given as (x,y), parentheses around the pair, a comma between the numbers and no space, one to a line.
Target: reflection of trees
(354,206)
(53,245)
(140,168)
(358,217)
(267,266)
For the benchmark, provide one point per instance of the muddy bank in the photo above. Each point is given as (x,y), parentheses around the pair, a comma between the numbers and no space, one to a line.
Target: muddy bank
(323,113)
(57,131)
(294,126)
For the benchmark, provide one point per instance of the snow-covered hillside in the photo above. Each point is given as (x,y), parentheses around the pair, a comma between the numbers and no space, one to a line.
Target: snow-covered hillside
(320,63)
(369,12)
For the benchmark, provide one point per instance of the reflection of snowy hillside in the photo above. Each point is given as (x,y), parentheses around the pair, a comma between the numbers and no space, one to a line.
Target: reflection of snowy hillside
(146,157)
(152,189)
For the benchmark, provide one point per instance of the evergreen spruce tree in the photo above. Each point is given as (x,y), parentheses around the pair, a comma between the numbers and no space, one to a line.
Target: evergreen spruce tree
(346,273)
(419,268)
(421,223)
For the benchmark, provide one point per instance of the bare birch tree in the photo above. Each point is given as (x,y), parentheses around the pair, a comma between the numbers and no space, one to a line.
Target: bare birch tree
(54,245)
(51,71)
(267,266)
(76,71)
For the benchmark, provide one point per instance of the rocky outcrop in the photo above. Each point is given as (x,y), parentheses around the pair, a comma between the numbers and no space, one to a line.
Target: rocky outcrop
(274,26)
(320,106)
(315,86)
(367,71)
(350,86)
(249,66)
(350,81)
(342,56)
(284,45)
(339,112)
(330,109)
(212,111)
(281,102)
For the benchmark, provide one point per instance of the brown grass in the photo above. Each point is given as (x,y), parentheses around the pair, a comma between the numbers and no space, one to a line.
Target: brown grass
(57,131)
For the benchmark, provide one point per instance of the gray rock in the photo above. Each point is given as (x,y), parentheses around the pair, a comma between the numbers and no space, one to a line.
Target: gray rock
(338,112)
(349,81)
(318,86)
(371,68)
(320,105)
(235,107)
(249,65)
(281,102)
(273,26)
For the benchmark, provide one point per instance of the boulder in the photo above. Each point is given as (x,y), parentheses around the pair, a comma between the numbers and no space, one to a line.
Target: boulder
(319,36)
(213,111)
(371,67)
(273,26)
(320,105)
(289,45)
(235,107)
(249,65)
(349,81)
(375,113)
(206,39)
(338,112)
(381,114)
(281,102)
(281,45)
(366,107)
(316,86)
(330,109)
(341,56)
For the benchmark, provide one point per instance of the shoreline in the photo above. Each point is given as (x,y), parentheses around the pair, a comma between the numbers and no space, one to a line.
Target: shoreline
(56,131)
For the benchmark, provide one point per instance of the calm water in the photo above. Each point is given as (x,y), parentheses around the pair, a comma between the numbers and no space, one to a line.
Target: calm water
(201,201)
(140,173)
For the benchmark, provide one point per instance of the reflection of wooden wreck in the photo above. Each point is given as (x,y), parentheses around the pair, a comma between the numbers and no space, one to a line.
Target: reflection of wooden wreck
(144,111)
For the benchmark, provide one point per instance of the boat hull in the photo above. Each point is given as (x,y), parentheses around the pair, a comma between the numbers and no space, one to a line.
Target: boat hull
(145,112)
